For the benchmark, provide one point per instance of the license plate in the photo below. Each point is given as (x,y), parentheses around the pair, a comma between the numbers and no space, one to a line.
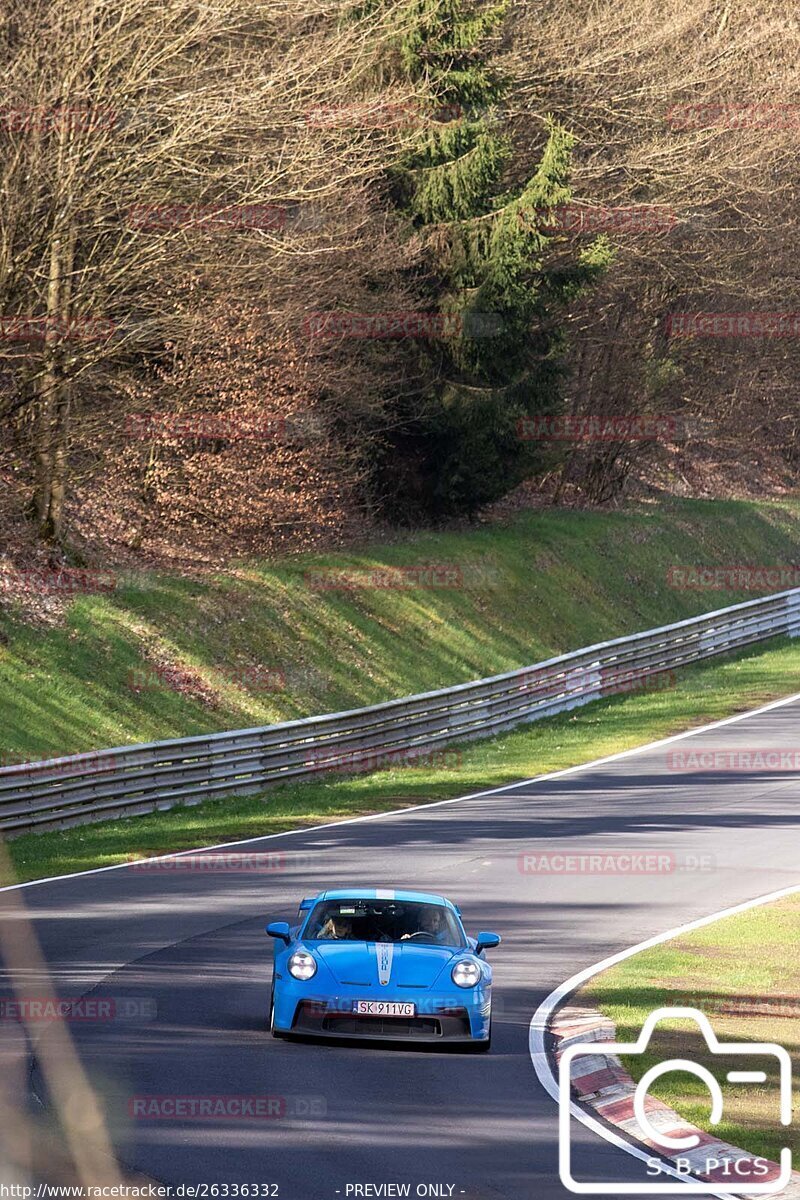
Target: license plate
(384,1008)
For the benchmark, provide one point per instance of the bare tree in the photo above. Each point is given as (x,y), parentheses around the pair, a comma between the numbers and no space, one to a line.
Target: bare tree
(693,110)
(150,152)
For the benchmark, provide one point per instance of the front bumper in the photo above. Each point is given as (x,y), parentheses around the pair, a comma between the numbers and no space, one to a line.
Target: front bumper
(438,1019)
(451,1026)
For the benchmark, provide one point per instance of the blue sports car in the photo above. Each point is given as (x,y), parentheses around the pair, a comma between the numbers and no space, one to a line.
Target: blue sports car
(379,963)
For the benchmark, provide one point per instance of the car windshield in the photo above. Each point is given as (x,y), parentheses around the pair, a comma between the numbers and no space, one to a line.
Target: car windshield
(384,921)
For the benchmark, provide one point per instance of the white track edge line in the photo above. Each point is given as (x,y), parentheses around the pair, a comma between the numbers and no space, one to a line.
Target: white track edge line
(414,808)
(540,1021)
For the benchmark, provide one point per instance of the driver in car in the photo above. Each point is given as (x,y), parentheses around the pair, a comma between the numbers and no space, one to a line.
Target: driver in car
(431,922)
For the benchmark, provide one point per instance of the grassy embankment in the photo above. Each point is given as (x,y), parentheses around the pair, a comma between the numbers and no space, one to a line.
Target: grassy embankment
(543,584)
(743,972)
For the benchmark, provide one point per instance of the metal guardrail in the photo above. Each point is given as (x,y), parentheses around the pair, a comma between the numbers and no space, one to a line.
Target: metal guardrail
(144,778)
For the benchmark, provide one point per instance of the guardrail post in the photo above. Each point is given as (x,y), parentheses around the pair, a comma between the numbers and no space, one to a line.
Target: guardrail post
(793,614)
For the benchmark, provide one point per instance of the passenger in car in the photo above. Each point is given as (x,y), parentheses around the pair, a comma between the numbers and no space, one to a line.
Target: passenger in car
(336,928)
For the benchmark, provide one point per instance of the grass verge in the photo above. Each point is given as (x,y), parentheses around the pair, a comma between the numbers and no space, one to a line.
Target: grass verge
(163,656)
(743,972)
(701,694)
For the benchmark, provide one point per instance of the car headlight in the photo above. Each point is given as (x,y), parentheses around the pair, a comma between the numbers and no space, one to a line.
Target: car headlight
(466,974)
(302,965)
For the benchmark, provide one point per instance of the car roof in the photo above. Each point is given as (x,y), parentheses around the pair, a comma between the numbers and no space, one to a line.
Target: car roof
(384,894)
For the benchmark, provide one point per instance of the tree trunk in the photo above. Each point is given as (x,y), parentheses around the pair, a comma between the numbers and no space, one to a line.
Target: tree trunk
(53,409)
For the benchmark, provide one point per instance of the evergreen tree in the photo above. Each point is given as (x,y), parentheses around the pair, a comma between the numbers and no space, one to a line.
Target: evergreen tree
(493,276)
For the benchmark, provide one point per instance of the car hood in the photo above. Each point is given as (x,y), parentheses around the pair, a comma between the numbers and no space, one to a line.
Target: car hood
(377,964)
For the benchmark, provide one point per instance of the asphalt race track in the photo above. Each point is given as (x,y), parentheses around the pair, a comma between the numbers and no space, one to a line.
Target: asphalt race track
(191,944)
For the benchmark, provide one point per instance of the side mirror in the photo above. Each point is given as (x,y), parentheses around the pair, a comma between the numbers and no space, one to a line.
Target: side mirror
(487,941)
(280,929)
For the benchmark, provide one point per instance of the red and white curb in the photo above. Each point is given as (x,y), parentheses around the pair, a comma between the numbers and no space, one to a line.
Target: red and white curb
(606,1088)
